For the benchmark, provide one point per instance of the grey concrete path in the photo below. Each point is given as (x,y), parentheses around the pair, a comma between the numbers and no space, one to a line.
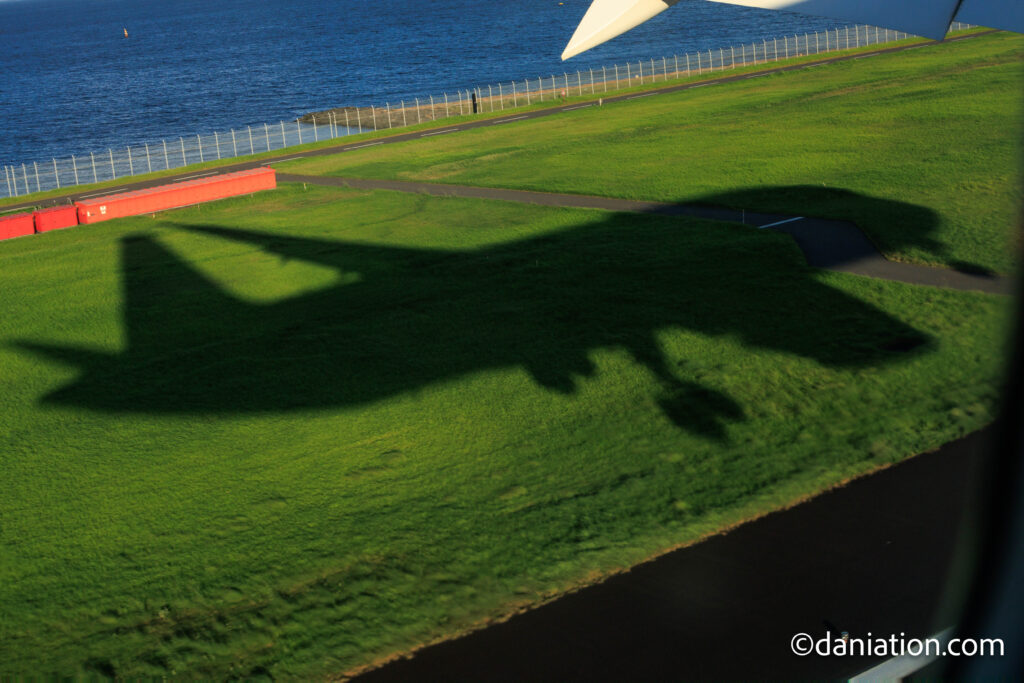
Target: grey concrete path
(829,244)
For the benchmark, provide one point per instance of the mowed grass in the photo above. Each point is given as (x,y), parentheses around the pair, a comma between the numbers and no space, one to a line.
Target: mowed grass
(938,127)
(293,434)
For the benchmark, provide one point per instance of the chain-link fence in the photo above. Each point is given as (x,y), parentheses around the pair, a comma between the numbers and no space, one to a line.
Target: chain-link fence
(36,176)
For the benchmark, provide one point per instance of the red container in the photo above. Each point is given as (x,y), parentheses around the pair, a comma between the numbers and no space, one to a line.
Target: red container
(56,218)
(17,225)
(175,195)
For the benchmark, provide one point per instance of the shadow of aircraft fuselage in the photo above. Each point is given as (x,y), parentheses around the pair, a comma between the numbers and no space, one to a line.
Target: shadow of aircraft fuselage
(419,316)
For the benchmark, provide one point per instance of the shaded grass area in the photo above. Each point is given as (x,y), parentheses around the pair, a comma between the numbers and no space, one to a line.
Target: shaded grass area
(295,433)
(938,126)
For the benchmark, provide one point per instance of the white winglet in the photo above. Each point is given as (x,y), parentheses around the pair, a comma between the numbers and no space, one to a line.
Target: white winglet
(609,18)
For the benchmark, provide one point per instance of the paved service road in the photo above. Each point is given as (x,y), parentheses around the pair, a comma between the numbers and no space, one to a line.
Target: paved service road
(829,244)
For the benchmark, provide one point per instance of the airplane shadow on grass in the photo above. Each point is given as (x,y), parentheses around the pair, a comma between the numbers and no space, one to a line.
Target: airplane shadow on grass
(417,316)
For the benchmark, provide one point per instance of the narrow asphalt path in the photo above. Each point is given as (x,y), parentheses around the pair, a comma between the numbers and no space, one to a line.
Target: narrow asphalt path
(871,557)
(469,125)
(829,244)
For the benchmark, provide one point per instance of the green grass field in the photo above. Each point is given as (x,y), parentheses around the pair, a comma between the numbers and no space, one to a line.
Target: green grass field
(295,433)
(937,127)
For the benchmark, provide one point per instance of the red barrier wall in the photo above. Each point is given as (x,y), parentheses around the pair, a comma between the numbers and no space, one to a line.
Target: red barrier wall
(16,225)
(56,218)
(175,195)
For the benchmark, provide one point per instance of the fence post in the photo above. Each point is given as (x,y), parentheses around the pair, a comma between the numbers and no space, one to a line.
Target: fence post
(252,148)
(113,171)
(234,144)
(56,174)
(74,167)
(131,166)
(490,96)
(149,164)
(348,127)
(216,144)
(184,161)
(167,164)
(298,128)
(419,118)
(316,133)
(7,177)
(200,141)
(446,112)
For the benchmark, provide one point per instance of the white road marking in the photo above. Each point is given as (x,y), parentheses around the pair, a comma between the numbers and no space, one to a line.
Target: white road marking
(582,106)
(369,144)
(99,194)
(278,161)
(788,220)
(515,118)
(438,132)
(644,95)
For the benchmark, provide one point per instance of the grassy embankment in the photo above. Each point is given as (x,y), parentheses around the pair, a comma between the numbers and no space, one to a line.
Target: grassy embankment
(937,127)
(405,416)
(431,120)
(397,417)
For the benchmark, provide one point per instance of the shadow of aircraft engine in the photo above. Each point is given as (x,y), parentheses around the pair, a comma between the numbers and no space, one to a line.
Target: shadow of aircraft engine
(418,316)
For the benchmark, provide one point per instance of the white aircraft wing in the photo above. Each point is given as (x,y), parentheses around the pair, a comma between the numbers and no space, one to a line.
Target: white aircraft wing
(930,18)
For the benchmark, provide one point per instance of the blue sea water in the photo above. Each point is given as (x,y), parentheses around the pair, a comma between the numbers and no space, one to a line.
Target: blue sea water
(70,82)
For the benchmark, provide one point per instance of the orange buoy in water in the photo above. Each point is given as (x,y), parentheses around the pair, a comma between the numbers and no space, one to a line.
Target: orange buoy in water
(125,31)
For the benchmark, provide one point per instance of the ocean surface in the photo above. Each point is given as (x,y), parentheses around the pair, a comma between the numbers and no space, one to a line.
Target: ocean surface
(71,83)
